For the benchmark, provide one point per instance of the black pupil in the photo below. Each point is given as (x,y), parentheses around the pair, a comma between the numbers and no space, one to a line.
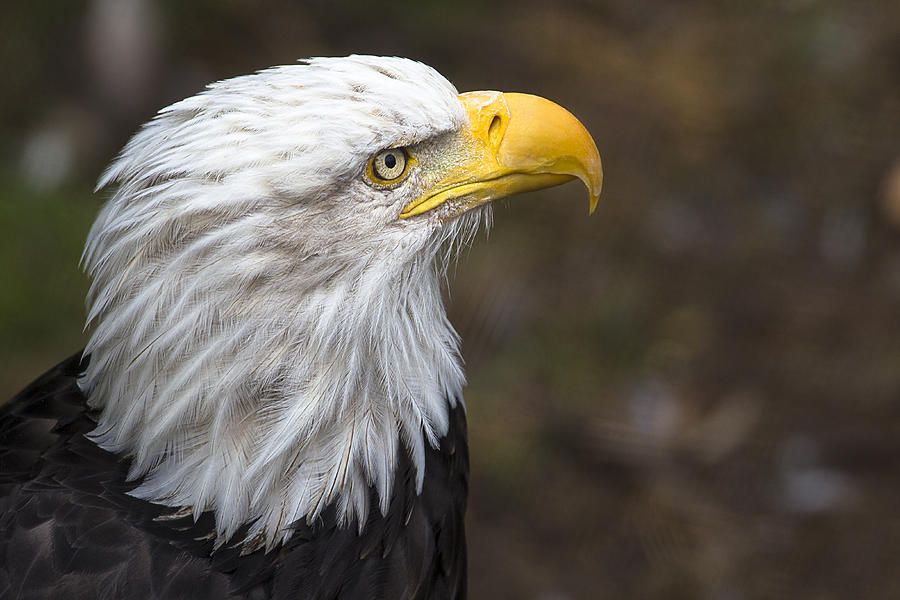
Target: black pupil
(390,161)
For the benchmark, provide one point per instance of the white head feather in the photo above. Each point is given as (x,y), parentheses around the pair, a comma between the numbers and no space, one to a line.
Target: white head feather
(268,334)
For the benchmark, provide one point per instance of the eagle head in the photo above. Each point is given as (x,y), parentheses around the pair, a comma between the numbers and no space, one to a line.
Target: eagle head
(268,328)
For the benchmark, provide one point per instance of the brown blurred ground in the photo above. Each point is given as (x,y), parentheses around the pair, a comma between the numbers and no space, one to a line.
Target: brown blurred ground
(693,394)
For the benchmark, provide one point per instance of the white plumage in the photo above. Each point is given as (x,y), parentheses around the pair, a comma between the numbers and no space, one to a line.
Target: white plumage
(267,334)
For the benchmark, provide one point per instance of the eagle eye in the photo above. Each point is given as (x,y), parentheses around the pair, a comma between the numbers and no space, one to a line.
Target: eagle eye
(388,166)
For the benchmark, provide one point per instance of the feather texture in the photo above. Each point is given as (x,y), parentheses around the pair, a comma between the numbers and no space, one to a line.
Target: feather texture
(70,529)
(269,339)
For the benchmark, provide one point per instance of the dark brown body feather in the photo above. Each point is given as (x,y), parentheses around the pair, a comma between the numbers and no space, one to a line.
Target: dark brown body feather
(68,528)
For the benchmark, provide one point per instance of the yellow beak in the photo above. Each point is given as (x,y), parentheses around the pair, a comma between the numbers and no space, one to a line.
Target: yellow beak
(514,143)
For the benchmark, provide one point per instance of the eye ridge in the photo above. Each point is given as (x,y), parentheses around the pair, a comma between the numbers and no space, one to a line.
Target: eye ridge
(389,166)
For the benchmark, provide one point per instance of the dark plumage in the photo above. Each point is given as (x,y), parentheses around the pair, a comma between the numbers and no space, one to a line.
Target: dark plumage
(273,402)
(70,530)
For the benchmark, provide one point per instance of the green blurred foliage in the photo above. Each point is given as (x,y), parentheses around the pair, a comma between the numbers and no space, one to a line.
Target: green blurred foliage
(41,286)
(694,393)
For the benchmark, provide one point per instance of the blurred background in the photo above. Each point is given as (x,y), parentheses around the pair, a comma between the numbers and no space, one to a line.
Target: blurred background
(695,393)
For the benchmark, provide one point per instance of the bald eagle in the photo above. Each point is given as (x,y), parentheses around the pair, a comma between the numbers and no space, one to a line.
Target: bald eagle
(270,403)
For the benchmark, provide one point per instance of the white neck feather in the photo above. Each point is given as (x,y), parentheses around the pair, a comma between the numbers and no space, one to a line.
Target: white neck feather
(298,399)
(268,335)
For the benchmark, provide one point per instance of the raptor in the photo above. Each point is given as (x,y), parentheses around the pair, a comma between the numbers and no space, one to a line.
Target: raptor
(270,403)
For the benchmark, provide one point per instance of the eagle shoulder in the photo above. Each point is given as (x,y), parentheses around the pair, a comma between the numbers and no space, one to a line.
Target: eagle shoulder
(69,528)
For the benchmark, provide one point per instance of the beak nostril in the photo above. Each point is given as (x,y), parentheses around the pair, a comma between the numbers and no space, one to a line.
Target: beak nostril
(495,130)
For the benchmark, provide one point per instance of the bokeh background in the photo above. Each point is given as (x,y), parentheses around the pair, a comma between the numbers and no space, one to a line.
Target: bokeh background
(695,393)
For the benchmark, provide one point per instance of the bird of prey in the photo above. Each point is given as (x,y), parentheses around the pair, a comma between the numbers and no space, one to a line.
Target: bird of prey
(270,403)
